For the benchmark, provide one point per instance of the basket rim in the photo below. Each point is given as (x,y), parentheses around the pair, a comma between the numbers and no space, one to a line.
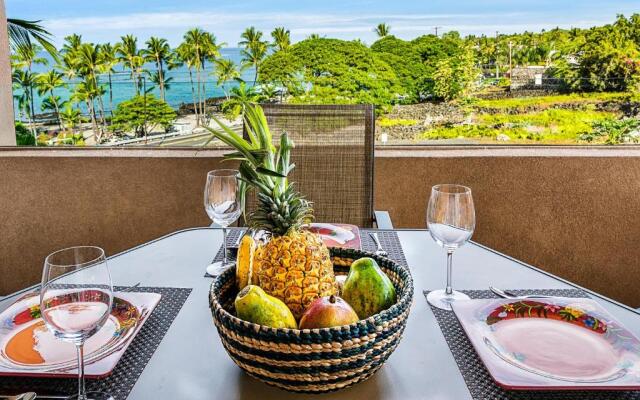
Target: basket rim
(407,297)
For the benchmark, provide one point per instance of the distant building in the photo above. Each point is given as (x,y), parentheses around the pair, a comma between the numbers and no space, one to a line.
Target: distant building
(533,77)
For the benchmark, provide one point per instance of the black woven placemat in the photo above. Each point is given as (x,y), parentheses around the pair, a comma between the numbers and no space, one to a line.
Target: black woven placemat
(133,361)
(480,384)
(388,240)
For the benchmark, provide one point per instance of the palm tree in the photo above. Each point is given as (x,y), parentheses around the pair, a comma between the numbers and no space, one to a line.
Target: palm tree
(184,55)
(71,43)
(155,78)
(241,95)
(226,70)
(255,49)
(158,51)
(195,40)
(199,47)
(21,32)
(71,117)
(19,97)
(25,80)
(108,62)
(254,56)
(48,82)
(25,57)
(211,53)
(382,30)
(89,63)
(53,103)
(193,48)
(85,92)
(268,93)
(129,55)
(281,38)
(249,36)
(67,65)
(314,36)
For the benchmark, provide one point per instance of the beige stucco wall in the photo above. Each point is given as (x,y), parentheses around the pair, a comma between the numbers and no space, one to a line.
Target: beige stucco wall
(573,212)
(570,211)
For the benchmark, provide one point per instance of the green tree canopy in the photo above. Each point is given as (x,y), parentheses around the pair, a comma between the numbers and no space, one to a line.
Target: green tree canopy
(405,60)
(141,115)
(607,59)
(333,71)
(455,77)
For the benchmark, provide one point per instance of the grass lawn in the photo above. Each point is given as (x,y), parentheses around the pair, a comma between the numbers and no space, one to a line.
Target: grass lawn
(385,122)
(533,119)
(522,103)
(554,126)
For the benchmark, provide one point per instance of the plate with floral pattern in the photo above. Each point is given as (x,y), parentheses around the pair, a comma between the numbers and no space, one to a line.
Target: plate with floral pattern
(551,344)
(28,348)
(337,235)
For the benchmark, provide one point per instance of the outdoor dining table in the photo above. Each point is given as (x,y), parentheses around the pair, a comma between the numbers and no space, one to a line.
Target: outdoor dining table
(191,363)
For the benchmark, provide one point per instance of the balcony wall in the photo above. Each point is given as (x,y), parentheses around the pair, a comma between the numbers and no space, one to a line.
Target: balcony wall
(570,211)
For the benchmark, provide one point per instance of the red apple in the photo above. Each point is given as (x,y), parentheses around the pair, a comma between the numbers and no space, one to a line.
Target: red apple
(327,312)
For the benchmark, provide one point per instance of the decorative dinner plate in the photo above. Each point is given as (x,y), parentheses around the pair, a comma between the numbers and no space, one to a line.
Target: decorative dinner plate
(28,348)
(337,235)
(551,344)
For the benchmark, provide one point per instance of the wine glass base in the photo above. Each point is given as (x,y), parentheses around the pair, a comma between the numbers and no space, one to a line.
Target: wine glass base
(92,396)
(217,268)
(440,299)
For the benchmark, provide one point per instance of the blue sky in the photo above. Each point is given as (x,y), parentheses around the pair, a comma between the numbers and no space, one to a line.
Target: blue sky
(107,20)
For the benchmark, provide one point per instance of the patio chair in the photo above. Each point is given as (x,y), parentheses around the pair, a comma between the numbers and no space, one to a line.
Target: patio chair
(334,159)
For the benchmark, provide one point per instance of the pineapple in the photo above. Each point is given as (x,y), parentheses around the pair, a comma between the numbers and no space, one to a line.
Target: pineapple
(291,264)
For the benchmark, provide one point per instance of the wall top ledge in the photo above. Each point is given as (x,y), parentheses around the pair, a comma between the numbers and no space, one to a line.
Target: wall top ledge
(112,152)
(440,151)
(506,151)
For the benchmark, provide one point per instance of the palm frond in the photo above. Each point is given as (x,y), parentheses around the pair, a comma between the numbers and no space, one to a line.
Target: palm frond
(21,31)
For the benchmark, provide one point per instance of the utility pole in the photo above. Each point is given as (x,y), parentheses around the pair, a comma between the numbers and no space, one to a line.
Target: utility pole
(496,56)
(510,58)
(436,28)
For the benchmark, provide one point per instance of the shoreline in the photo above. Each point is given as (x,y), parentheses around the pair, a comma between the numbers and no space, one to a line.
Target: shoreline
(184,125)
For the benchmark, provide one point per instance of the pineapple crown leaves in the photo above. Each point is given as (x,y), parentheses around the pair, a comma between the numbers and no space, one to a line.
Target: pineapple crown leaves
(265,169)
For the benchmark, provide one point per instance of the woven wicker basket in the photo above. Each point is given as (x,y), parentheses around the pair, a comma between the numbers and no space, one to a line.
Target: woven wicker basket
(316,360)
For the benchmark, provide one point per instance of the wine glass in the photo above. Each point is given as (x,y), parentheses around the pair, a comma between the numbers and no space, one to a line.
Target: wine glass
(75,300)
(222,204)
(451,220)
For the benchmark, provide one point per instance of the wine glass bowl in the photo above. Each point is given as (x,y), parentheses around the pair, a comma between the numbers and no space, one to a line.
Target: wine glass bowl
(76,296)
(221,201)
(222,205)
(451,215)
(74,316)
(451,222)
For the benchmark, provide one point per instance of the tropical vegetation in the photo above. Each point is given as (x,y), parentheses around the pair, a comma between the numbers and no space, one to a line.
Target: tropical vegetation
(391,71)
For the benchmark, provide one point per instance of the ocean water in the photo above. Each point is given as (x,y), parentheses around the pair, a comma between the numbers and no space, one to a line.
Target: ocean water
(179,90)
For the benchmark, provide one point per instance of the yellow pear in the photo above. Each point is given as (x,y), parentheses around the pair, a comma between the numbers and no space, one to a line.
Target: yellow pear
(254,305)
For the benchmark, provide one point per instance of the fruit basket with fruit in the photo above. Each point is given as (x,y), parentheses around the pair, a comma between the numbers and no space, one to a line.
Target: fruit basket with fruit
(281,315)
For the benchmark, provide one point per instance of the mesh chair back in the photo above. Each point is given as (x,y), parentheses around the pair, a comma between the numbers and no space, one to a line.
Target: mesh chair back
(333,156)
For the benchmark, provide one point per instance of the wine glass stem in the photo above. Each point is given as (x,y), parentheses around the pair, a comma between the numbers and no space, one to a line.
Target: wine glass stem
(224,245)
(82,393)
(449,289)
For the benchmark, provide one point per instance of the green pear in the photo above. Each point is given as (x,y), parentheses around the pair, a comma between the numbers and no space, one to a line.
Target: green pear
(254,305)
(368,289)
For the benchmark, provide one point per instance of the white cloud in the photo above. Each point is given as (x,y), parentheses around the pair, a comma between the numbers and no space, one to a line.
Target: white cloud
(227,26)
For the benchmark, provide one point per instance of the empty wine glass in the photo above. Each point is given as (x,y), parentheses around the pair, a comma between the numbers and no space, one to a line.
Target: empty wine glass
(75,300)
(451,220)
(222,203)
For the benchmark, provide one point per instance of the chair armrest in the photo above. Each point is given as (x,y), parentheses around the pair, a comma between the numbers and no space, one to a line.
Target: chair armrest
(383,220)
